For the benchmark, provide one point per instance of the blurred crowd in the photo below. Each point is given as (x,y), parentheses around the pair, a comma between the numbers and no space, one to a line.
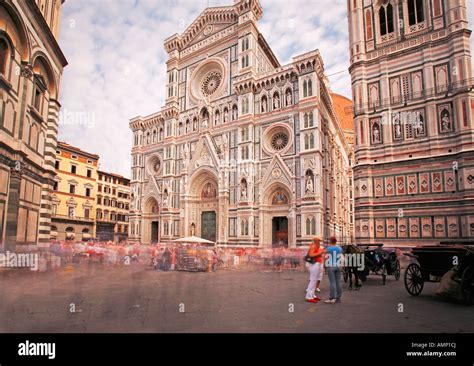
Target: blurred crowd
(173,257)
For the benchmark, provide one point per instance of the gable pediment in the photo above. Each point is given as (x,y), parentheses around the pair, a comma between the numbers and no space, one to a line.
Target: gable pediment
(211,21)
(205,154)
(277,171)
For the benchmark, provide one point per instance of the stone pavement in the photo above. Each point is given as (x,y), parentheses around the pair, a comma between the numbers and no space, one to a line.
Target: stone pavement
(95,298)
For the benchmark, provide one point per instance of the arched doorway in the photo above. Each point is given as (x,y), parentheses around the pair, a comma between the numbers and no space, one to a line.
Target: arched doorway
(277,221)
(151,223)
(202,208)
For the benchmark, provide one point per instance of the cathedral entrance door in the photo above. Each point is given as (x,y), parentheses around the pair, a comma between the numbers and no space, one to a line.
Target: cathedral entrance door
(280,232)
(209,225)
(154,232)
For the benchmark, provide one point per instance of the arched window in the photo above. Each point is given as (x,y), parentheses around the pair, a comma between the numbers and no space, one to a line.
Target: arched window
(416,13)
(311,122)
(310,88)
(386,19)
(161,134)
(4,52)
(310,226)
(188,124)
(368,25)
(305,89)
(306,120)
(154,136)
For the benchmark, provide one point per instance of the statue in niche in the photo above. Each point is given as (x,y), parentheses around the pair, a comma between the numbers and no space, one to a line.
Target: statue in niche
(309,184)
(289,100)
(243,189)
(276,102)
(226,116)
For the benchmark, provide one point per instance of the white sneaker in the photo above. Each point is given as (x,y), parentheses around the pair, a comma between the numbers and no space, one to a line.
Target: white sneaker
(330,301)
(318,290)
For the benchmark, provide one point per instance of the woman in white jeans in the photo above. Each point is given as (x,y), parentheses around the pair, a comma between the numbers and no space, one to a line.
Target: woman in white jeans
(315,269)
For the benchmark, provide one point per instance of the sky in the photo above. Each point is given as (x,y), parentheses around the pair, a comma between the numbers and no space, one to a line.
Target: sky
(117,62)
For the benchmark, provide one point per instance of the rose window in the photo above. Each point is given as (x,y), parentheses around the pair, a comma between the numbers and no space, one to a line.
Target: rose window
(211,83)
(279,141)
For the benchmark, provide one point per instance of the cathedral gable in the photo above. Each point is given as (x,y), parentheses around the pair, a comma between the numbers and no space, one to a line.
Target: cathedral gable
(205,154)
(277,171)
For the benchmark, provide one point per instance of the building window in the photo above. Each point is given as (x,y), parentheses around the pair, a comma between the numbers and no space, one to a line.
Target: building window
(245,44)
(368,25)
(88,192)
(307,88)
(437,7)
(37,98)
(86,213)
(71,211)
(386,19)
(4,52)
(56,164)
(416,12)
(310,226)
(89,173)
(72,189)
(55,186)
(73,169)
(245,61)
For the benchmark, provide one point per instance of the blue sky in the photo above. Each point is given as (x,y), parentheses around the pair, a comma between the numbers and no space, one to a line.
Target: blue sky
(117,61)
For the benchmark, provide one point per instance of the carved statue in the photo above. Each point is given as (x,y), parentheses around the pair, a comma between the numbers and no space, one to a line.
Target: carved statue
(309,184)
(288,99)
(276,102)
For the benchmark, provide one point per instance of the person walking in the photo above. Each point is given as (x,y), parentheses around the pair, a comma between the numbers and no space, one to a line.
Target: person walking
(315,265)
(333,266)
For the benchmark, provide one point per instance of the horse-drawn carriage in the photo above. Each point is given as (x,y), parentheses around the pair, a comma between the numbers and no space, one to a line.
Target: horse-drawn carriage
(377,260)
(434,261)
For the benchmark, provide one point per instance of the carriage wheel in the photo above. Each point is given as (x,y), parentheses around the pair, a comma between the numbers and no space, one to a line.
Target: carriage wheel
(384,274)
(397,270)
(414,279)
(467,285)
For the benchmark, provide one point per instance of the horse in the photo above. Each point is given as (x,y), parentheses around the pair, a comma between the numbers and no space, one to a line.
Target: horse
(350,268)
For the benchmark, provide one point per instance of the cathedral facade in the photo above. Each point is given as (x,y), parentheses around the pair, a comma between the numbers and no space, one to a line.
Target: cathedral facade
(413,94)
(245,151)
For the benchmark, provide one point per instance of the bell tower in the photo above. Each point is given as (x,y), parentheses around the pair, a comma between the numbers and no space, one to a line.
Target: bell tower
(413,95)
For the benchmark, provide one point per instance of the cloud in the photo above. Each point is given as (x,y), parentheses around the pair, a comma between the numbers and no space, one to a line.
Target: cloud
(117,61)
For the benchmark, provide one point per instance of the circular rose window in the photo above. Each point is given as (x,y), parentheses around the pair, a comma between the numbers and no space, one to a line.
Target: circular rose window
(277,138)
(208,80)
(211,83)
(279,141)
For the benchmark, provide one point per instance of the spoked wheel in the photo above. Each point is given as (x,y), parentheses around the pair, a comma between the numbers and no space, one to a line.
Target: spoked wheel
(396,272)
(414,279)
(384,274)
(467,285)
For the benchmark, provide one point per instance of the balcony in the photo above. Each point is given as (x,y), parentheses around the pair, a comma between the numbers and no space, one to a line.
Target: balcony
(66,218)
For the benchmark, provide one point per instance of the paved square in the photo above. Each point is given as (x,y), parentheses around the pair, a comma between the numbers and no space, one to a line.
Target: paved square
(94,298)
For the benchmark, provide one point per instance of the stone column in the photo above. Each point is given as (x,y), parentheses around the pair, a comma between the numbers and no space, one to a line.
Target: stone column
(12,207)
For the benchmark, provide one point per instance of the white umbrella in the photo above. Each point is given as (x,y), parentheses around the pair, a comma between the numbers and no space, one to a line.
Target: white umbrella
(193,240)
